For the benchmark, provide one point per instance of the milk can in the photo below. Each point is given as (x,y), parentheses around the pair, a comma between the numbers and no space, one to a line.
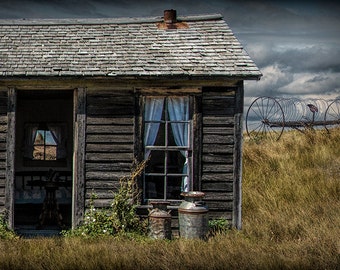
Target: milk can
(160,220)
(193,216)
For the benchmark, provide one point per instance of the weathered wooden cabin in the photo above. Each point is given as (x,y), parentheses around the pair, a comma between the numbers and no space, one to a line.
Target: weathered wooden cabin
(81,99)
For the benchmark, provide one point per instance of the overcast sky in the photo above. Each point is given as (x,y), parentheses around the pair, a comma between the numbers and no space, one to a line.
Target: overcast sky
(296,44)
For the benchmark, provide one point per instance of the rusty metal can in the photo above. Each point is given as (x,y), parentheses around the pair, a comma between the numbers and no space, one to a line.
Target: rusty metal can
(160,220)
(193,216)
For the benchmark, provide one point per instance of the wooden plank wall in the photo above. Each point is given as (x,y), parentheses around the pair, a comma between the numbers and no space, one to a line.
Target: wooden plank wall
(109,142)
(3,135)
(110,137)
(218,107)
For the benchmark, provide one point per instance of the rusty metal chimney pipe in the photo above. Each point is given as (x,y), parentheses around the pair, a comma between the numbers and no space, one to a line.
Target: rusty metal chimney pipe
(170,16)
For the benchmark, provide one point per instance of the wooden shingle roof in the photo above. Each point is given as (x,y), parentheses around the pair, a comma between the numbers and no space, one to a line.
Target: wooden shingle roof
(122,47)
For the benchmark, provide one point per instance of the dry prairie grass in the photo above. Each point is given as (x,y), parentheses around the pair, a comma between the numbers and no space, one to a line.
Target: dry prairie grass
(291,218)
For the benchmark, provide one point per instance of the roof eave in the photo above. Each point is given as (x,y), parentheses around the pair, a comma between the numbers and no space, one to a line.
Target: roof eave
(139,77)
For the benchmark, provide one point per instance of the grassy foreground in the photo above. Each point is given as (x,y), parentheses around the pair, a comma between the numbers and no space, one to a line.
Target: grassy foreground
(291,220)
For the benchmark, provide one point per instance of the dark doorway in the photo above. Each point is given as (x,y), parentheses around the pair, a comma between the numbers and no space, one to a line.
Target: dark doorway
(43,162)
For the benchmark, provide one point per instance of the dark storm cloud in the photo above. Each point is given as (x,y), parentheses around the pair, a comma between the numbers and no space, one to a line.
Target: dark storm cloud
(47,9)
(282,18)
(296,44)
(313,59)
(301,58)
(95,8)
(296,69)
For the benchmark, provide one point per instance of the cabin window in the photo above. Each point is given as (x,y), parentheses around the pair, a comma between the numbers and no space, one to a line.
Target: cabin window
(45,146)
(167,146)
(45,142)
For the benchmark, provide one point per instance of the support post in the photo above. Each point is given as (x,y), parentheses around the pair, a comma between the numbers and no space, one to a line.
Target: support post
(238,131)
(78,203)
(10,156)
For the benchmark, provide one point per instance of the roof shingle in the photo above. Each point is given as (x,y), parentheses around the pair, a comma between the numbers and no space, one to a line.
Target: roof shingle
(122,47)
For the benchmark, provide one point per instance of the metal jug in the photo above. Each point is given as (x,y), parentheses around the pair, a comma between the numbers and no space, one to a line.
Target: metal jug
(193,216)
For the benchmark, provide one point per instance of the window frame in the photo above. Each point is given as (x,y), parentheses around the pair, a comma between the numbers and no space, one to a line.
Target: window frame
(58,162)
(45,145)
(194,149)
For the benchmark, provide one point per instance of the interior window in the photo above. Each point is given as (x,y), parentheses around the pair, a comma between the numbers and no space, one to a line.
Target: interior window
(45,146)
(45,141)
(167,145)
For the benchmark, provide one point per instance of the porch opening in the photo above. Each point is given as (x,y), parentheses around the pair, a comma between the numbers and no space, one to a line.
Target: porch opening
(43,161)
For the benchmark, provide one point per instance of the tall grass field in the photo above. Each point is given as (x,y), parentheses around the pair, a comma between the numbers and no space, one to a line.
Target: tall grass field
(290,215)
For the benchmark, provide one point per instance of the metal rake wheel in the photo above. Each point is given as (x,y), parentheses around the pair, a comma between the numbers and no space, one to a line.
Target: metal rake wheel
(332,115)
(265,119)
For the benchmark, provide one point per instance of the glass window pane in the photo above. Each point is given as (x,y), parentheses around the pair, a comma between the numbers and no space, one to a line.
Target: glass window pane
(171,139)
(175,162)
(156,162)
(174,187)
(39,137)
(38,152)
(160,139)
(49,138)
(154,187)
(50,153)
(151,131)
(179,134)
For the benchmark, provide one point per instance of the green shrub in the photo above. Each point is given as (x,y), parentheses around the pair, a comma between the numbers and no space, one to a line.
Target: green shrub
(218,226)
(5,232)
(121,217)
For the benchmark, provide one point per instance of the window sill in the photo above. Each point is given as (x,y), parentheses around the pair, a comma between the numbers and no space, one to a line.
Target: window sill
(173,203)
(45,163)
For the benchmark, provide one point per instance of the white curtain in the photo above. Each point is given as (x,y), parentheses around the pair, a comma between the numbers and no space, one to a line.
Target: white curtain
(153,112)
(59,135)
(30,134)
(58,132)
(178,108)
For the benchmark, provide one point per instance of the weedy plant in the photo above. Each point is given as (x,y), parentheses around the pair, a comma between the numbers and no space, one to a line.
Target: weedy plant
(121,217)
(218,226)
(5,232)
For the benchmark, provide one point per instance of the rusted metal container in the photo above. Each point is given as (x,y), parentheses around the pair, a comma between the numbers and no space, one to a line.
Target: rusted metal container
(193,216)
(160,220)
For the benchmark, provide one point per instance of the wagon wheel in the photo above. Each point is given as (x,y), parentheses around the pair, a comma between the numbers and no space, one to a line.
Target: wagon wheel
(332,115)
(265,119)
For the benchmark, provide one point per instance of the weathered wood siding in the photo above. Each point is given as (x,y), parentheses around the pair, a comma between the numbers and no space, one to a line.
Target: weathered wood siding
(111,138)
(109,142)
(3,136)
(218,108)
